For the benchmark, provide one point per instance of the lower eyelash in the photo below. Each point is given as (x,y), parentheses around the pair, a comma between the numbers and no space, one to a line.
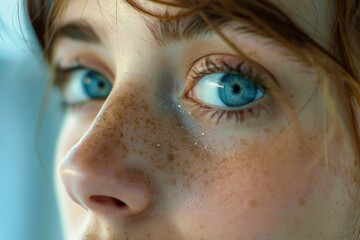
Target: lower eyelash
(72,106)
(216,115)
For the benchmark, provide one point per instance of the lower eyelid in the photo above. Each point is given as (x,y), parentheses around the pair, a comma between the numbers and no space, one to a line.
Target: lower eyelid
(205,113)
(89,109)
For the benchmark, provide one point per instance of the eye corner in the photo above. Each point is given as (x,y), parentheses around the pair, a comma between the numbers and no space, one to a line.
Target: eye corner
(189,93)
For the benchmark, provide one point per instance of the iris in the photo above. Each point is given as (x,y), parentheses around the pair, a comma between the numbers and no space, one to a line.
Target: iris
(235,90)
(96,85)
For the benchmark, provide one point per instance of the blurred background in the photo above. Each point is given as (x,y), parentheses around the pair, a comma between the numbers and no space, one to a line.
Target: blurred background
(28,208)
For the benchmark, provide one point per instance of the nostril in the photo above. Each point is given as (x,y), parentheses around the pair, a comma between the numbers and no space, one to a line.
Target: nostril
(108,201)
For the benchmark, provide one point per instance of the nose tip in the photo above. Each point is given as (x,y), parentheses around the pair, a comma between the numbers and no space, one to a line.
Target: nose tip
(106,192)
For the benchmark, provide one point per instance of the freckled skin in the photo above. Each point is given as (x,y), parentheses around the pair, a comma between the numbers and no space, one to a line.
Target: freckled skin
(263,178)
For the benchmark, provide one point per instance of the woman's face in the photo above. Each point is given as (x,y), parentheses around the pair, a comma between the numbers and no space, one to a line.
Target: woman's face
(192,141)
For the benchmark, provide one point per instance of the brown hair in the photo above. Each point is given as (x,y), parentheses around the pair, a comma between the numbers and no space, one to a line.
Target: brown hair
(266,17)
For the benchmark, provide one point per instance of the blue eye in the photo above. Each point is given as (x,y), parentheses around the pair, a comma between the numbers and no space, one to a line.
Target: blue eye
(84,85)
(227,90)
(96,85)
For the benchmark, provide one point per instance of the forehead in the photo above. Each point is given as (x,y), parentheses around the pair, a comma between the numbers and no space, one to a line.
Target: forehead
(314,17)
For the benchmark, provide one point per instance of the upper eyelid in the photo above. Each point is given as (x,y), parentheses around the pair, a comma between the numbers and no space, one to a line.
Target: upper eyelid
(78,31)
(85,63)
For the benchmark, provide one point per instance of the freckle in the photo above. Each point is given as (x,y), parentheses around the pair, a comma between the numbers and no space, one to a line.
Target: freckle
(186,185)
(313,138)
(253,203)
(267,130)
(145,108)
(310,180)
(174,181)
(206,182)
(252,53)
(302,201)
(244,142)
(171,157)
(271,188)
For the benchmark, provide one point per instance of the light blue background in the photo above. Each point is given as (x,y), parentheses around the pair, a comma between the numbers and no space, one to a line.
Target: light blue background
(28,208)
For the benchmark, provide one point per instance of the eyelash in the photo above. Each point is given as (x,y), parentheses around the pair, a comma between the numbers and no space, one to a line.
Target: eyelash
(216,115)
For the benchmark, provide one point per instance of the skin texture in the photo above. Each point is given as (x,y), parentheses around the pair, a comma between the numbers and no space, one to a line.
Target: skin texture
(185,175)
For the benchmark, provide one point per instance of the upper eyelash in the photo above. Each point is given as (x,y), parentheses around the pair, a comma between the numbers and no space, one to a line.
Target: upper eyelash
(212,67)
(61,73)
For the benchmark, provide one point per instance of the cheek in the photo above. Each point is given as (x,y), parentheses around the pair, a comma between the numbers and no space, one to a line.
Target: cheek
(210,182)
(256,184)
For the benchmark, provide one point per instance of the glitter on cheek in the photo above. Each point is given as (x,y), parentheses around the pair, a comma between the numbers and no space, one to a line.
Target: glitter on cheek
(261,181)
(258,180)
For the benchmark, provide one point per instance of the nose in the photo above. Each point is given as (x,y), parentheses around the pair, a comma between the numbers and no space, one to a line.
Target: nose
(100,173)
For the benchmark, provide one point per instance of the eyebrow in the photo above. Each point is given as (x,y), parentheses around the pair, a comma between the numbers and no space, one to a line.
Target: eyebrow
(80,30)
(165,32)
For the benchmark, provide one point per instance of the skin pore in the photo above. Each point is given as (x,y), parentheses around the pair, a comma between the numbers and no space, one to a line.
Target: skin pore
(156,160)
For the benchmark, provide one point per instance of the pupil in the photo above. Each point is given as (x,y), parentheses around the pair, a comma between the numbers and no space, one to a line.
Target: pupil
(235,89)
(101,84)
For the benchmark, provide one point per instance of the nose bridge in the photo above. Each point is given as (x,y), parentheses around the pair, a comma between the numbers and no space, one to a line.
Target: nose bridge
(99,171)
(114,129)
(95,148)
